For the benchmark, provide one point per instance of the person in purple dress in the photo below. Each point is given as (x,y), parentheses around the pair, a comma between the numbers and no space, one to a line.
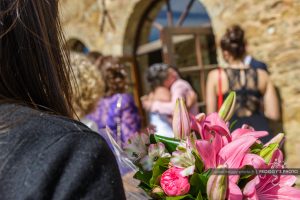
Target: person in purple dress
(117,108)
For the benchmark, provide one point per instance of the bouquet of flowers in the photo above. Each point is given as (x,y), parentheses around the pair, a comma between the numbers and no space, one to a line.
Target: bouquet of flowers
(196,163)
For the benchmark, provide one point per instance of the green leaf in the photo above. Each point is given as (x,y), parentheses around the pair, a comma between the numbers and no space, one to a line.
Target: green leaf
(206,173)
(159,195)
(199,196)
(256,148)
(198,184)
(159,167)
(246,177)
(186,197)
(198,162)
(170,143)
(232,125)
(145,187)
(243,181)
(195,182)
(143,176)
(152,139)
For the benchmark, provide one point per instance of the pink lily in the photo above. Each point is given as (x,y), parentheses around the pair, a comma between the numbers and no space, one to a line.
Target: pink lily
(216,153)
(232,155)
(254,160)
(247,131)
(196,123)
(208,126)
(233,191)
(181,120)
(272,186)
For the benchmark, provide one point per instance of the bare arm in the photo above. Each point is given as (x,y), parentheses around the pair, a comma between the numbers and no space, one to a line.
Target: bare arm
(191,99)
(211,95)
(271,103)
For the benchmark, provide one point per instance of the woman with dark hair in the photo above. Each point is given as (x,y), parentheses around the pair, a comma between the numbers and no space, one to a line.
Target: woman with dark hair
(252,85)
(44,154)
(117,108)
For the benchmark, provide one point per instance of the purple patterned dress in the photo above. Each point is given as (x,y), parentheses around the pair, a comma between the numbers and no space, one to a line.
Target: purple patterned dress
(118,107)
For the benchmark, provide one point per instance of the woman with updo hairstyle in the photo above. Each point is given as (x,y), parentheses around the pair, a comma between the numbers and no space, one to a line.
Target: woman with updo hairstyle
(117,108)
(256,96)
(115,76)
(233,42)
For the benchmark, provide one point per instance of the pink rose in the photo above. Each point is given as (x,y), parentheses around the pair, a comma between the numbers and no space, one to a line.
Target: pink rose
(173,183)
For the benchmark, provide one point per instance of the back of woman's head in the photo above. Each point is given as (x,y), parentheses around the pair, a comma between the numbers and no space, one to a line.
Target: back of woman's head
(157,74)
(233,41)
(87,84)
(34,69)
(114,74)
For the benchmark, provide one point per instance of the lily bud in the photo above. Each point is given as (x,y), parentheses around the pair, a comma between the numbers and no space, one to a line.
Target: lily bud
(181,120)
(278,139)
(217,186)
(227,109)
(200,117)
(157,190)
(267,152)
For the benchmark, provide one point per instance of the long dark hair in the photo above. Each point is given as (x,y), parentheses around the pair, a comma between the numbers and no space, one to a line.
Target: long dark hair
(34,67)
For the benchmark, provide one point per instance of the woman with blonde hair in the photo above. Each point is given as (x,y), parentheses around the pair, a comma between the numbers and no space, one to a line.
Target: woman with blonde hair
(88,87)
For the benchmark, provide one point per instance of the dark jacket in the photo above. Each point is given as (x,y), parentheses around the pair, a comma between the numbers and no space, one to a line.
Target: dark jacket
(44,156)
(256,64)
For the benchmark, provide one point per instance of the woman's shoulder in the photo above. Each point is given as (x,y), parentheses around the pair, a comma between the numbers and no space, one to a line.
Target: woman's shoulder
(262,73)
(127,99)
(162,94)
(214,72)
(123,96)
(263,80)
(44,135)
(28,121)
(161,89)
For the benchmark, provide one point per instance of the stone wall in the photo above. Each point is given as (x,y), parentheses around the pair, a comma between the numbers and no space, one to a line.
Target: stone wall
(82,19)
(273,34)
